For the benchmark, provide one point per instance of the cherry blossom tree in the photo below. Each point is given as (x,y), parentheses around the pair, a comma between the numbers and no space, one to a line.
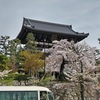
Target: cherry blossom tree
(77,64)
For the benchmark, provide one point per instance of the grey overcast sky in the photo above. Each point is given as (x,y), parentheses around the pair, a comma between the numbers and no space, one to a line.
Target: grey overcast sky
(83,15)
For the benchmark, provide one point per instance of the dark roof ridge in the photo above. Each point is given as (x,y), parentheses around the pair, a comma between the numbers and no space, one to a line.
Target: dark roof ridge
(50,23)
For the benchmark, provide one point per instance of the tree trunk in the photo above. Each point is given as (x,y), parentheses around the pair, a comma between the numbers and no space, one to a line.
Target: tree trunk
(82,90)
(82,83)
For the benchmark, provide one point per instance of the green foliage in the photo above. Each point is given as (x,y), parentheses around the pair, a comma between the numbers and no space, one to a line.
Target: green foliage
(30,45)
(4,44)
(13,56)
(32,62)
(7,79)
(46,79)
(14,47)
(20,77)
(9,48)
(3,62)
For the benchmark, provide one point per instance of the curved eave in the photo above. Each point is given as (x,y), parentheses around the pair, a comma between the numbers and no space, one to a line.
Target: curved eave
(21,33)
(83,36)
